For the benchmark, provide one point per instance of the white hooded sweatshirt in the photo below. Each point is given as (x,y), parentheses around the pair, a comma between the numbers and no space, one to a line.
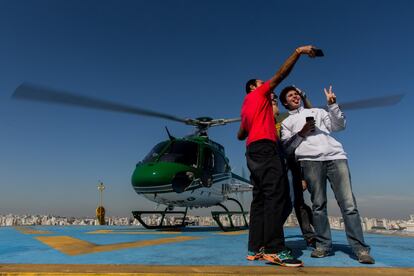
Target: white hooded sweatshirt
(318,145)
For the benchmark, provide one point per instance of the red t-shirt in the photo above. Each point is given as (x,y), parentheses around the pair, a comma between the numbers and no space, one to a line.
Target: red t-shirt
(257,115)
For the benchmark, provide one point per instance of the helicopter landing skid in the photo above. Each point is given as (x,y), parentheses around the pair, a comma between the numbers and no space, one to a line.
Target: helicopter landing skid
(216,216)
(161,225)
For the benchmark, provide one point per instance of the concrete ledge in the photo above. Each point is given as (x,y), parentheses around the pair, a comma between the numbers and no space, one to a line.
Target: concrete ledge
(93,269)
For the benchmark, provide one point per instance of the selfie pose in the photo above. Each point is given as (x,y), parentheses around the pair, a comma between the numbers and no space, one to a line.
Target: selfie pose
(271,202)
(306,132)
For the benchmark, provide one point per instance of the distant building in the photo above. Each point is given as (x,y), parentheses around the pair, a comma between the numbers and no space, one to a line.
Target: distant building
(380,224)
(410,224)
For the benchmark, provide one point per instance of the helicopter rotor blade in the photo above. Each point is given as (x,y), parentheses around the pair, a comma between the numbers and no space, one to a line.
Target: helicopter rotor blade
(372,102)
(33,92)
(220,122)
(232,120)
(361,104)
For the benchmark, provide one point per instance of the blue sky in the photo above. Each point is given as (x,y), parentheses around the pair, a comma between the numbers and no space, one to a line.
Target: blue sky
(191,59)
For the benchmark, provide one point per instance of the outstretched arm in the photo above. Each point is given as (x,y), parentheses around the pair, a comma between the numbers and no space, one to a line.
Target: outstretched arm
(284,71)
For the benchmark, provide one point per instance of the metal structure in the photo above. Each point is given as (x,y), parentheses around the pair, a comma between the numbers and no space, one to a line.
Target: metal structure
(100,210)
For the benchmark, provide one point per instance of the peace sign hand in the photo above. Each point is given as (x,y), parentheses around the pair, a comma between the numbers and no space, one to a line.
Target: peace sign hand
(330,96)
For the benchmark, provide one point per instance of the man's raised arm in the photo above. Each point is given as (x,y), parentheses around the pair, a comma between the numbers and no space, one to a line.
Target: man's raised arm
(284,71)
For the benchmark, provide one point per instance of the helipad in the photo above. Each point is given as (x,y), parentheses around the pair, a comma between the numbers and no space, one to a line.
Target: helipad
(128,250)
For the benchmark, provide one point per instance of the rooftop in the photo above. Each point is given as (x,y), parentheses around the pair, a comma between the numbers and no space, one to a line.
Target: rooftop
(55,247)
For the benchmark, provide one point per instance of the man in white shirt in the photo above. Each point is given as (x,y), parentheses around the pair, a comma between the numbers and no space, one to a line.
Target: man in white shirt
(306,132)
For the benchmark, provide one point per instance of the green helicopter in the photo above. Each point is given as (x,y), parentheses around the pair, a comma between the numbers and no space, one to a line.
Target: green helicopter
(188,172)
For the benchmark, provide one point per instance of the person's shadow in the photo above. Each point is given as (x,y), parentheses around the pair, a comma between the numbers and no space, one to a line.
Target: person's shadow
(297,244)
(345,249)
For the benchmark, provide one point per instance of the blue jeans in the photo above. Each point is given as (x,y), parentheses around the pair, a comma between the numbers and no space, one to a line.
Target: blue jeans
(337,172)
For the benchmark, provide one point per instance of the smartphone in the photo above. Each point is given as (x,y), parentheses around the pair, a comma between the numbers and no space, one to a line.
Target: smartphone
(318,52)
(310,119)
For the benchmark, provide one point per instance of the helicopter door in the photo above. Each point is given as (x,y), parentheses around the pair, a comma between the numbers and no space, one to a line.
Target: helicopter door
(208,167)
(220,165)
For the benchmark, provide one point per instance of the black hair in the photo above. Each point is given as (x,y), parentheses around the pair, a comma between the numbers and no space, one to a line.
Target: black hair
(283,93)
(248,83)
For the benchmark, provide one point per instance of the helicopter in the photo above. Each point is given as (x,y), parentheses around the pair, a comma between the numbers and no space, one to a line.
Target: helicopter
(188,172)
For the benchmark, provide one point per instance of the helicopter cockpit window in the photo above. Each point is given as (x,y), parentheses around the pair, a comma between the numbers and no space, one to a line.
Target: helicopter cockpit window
(184,152)
(155,152)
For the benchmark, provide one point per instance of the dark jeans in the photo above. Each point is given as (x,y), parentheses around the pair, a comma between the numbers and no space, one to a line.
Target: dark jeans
(337,172)
(303,211)
(271,203)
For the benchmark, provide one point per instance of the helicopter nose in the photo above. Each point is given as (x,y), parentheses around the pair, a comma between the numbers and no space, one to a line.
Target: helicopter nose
(161,177)
(150,175)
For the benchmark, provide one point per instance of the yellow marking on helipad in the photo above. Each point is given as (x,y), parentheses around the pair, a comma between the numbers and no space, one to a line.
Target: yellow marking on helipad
(72,246)
(241,232)
(135,232)
(28,230)
(154,270)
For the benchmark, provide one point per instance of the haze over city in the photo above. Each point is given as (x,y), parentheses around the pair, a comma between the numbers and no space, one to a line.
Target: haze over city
(191,59)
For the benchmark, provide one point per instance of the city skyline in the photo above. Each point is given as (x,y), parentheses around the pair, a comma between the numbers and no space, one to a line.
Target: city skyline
(401,227)
(191,59)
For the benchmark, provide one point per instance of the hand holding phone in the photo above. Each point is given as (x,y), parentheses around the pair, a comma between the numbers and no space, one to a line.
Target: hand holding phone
(308,127)
(310,118)
(311,122)
(318,52)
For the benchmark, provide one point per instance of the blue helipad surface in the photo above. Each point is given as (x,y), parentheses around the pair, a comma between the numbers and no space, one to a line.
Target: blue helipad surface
(192,246)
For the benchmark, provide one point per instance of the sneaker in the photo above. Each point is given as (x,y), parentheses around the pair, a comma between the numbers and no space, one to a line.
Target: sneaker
(255,256)
(364,257)
(283,258)
(320,253)
(288,250)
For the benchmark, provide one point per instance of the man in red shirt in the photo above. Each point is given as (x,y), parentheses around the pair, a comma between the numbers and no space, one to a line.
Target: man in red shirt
(271,202)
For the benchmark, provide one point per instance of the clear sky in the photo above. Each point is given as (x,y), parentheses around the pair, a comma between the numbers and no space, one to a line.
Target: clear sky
(190,59)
